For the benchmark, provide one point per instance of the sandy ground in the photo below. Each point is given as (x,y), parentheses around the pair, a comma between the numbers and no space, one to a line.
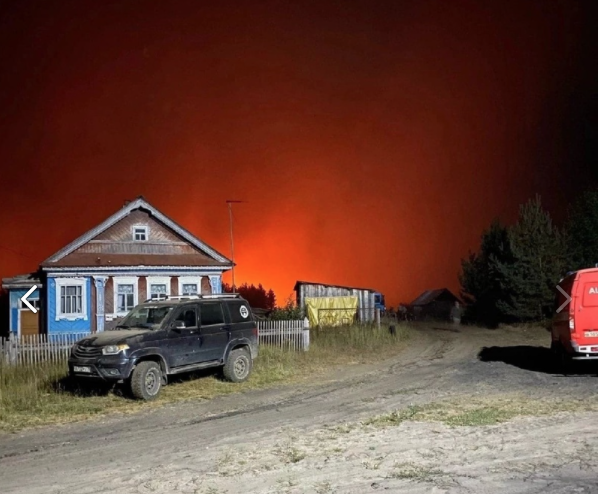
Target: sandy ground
(312,438)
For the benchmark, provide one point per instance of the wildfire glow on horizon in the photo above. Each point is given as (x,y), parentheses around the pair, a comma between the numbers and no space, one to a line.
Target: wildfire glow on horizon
(372,141)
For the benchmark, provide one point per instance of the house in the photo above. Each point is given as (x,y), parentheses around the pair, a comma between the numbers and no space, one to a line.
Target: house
(136,254)
(366,296)
(434,304)
(21,320)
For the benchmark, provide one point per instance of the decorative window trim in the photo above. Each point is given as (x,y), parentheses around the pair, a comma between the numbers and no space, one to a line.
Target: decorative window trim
(145,229)
(125,280)
(157,280)
(216,284)
(185,280)
(82,282)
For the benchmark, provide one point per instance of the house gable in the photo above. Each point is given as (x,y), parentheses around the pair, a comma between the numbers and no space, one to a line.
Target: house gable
(113,243)
(431,296)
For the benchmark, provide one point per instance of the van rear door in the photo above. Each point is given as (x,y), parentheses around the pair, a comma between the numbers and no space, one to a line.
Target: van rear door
(586,309)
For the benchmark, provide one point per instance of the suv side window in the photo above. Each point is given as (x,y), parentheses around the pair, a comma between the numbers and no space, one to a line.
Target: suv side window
(189,317)
(239,311)
(211,313)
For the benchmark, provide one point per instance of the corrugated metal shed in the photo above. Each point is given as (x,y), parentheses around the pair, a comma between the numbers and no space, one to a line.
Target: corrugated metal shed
(365,296)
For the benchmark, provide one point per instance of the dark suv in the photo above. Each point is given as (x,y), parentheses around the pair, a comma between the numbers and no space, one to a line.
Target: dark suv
(165,337)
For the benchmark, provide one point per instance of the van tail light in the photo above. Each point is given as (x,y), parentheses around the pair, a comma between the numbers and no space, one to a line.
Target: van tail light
(572,325)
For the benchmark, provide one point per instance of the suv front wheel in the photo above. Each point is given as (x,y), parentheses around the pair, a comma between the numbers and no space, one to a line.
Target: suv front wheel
(146,380)
(238,365)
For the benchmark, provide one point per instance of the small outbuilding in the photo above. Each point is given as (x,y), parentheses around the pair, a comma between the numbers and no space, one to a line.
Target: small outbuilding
(434,304)
(366,300)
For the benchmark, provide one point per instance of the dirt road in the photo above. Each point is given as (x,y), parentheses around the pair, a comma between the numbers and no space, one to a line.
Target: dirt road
(310,438)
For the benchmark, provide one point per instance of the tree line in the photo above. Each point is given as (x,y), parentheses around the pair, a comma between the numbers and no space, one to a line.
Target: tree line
(257,296)
(513,275)
(260,298)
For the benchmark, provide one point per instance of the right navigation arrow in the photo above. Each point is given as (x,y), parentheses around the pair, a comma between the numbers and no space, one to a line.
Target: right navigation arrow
(566,295)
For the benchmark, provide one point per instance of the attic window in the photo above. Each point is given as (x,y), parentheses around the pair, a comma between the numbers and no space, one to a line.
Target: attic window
(140,233)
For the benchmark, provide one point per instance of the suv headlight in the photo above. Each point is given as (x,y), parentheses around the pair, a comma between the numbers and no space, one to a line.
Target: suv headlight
(114,349)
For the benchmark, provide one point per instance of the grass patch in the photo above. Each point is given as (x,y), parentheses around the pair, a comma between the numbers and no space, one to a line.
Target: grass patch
(416,473)
(481,412)
(41,394)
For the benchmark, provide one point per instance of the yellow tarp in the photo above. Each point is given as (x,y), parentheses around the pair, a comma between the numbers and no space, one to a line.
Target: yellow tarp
(331,311)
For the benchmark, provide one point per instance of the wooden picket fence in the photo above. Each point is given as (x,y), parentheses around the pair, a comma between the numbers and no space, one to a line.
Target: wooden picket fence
(288,335)
(33,349)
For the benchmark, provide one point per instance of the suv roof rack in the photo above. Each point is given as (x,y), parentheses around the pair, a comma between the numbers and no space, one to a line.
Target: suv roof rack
(194,297)
(222,295)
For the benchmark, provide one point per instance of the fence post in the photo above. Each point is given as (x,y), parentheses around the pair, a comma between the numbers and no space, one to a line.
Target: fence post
(378,318)
(12,348)
(305,334)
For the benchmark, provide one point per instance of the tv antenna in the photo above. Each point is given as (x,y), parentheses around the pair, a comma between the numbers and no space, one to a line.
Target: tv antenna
(230,203)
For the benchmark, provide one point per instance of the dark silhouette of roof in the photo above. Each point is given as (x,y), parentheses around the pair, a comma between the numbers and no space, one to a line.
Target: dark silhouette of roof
(429,296)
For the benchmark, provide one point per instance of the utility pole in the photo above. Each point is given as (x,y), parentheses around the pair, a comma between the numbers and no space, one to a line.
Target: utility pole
(230,202)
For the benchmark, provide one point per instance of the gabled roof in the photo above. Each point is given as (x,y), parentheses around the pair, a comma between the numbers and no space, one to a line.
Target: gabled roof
(430,296)
(138,203)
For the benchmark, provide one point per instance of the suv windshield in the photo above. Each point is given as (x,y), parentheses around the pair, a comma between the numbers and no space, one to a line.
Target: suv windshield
(145,316)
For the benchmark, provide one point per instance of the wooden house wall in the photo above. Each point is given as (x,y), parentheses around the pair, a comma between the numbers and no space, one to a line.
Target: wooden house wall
(142,286)
(365,297)
(440,309)
(109,296)
(94,305)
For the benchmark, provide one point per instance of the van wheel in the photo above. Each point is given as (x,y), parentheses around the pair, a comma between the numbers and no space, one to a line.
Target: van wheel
(238,365)
(146,381)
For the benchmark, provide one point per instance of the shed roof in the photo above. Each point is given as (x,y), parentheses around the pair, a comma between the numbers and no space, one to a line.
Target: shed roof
(299,283)
(21,281)
(430,296)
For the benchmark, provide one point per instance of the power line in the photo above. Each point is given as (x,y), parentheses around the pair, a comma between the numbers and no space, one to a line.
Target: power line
(19,253)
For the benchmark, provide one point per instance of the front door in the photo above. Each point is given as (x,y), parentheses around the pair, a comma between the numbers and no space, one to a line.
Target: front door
(214,332)
(182,342)
(29,320)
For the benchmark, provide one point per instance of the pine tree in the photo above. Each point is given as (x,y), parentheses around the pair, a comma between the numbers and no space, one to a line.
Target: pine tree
(271,300)
(582,232)
(538,263)
(482,280)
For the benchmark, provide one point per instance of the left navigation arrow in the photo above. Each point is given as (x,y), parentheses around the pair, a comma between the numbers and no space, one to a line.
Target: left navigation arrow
(26,302)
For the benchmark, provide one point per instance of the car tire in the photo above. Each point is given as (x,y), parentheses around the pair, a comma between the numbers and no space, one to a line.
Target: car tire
(238,365)
(146,381)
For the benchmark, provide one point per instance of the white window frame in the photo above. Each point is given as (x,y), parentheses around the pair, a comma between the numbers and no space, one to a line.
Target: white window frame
(157,280)
(64,282)
(145,229)
(185,280)
(32,301)
(125,280)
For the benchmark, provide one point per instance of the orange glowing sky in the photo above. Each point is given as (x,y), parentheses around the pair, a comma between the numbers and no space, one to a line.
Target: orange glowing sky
(373,141)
